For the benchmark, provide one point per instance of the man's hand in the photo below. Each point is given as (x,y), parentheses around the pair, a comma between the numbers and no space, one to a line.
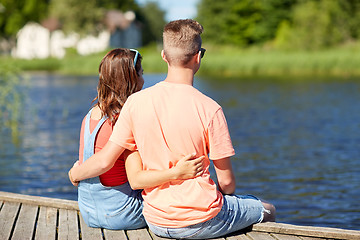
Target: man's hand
(189,167)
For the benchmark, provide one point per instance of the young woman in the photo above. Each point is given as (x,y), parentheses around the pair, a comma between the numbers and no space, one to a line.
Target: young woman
(108,201)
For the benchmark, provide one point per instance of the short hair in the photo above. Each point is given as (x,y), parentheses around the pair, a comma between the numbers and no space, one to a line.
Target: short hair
(118,79)
(181,40)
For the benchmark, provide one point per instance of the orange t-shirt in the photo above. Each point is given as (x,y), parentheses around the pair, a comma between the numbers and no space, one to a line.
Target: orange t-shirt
(117,174)
(166,122)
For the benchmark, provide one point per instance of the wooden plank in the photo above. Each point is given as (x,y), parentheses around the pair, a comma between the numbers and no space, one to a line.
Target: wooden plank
(8,215)
(36,200)
(114,234)
(310,238)
(260,236)
(285,237)
(138,234)
(68,225)
(154,237)
(89,233)
(333,233)
(25,223)
(241,236)
(20,224)
(46,224)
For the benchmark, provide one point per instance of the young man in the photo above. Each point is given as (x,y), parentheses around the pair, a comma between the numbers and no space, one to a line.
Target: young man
(168,121)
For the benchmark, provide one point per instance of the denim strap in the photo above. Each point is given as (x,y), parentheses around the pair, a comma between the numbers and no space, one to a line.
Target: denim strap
(89,137)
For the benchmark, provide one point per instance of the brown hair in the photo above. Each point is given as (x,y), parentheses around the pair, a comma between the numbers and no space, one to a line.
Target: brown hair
(181,39)
(118,79)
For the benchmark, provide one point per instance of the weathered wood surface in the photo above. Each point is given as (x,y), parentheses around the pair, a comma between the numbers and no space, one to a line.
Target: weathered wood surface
(30,217)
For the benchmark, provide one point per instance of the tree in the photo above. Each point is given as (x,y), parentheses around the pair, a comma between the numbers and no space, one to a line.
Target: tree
(306,24)
(154,21)
(87,16)
(274,12)
(323,23)
(15,14)
(242,22)
(77,16)
(352,10)
(123,5)
(229,21)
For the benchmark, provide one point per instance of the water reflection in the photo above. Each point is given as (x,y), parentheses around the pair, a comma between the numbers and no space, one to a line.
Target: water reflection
(297,143)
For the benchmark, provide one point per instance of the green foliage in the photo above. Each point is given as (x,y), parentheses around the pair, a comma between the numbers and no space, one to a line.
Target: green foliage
(11,101)
(283,36)
(223,61)
(77,16)
(299,24)
(86,17)
(319,24)
(242,22)
(15,14)
(229,21)
(154,21)
(275,13)
(123,5)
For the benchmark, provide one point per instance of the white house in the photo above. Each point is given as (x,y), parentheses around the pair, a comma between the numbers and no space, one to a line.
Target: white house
(37,41)
(33,41)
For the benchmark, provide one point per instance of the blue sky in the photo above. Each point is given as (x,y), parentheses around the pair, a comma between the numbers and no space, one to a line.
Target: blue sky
(175,9)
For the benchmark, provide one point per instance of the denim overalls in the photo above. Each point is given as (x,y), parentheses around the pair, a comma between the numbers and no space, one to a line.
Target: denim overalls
(117,207)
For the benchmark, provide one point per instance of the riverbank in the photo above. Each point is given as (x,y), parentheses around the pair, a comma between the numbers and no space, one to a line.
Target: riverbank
(223,61)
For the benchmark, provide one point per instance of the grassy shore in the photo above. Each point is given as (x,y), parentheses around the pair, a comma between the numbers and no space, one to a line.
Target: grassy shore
(225,61)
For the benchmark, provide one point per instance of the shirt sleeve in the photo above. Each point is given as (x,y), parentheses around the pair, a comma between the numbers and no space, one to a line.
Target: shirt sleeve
(122,134)
(220,145)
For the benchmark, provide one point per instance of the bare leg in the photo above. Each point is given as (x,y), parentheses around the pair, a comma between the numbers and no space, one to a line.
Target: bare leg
(269,215)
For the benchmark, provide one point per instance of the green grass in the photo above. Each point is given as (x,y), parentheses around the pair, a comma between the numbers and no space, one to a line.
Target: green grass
(222,61)
(226,61)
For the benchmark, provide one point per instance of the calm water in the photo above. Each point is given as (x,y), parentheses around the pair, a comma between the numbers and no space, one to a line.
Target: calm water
(297,142)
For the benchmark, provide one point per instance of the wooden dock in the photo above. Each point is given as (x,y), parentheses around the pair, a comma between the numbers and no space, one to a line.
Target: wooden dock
(28,217)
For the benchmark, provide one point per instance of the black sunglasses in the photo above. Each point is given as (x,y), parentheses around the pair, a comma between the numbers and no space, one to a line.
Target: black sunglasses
(202,52)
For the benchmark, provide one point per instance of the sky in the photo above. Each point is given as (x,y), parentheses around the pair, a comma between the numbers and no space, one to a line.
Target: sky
(175,9)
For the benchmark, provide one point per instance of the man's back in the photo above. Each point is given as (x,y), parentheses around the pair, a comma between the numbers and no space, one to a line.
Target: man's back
(169,121)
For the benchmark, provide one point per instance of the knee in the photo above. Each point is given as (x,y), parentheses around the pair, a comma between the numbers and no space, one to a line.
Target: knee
(270,213)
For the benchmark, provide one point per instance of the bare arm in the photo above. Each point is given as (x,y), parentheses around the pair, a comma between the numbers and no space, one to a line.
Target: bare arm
(225,175)
(138,178)
(97,164)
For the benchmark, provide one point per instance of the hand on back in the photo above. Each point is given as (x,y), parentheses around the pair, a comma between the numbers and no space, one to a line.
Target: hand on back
(190,167)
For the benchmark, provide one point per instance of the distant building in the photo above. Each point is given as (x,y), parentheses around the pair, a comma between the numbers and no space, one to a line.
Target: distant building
(125,31)
(33,41)
(45,40)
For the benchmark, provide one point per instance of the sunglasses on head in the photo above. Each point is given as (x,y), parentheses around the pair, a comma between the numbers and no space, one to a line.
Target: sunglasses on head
(202,52)
(136,55)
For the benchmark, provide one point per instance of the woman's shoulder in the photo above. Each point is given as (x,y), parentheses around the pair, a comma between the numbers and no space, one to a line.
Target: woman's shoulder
(96,113)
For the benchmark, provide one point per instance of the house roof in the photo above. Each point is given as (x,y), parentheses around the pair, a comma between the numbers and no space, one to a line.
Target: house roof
(51,24)
(116,19)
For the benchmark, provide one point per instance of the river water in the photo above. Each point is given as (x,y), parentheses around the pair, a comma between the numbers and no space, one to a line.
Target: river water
(297,142)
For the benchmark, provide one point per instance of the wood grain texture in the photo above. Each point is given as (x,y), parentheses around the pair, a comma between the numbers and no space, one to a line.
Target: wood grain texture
(25,224)
(30,217)
(68,225)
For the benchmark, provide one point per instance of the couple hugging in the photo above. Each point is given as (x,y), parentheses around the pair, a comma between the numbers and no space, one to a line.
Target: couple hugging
(160,140)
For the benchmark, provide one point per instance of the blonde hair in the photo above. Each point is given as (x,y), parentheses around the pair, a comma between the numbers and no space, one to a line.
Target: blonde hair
(181,40)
